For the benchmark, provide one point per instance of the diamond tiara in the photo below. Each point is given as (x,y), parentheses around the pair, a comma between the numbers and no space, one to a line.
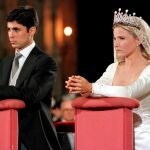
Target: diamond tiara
(126,19)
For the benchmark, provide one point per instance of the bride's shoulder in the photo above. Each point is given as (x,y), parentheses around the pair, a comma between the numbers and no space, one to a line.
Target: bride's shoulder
(111,67)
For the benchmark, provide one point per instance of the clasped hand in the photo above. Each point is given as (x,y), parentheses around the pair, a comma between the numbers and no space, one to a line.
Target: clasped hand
(77,84)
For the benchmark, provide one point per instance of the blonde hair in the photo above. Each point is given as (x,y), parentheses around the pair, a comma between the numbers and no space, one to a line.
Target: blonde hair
(136,33)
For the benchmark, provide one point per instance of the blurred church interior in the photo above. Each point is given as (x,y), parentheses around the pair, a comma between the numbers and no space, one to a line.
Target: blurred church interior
(77,33)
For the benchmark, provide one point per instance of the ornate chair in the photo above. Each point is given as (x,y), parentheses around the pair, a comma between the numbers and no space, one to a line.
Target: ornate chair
(104,123)
(9,123)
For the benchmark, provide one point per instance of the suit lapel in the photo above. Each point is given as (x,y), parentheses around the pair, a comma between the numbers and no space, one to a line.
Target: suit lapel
(27,67)
(5,72)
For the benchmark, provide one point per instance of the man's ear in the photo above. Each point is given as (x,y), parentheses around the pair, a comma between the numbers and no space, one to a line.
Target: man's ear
(32,31)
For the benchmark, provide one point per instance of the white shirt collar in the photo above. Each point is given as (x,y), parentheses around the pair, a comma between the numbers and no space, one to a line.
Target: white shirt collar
(26,51)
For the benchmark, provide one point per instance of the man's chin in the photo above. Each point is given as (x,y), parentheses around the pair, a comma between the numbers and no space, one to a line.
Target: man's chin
(14,46)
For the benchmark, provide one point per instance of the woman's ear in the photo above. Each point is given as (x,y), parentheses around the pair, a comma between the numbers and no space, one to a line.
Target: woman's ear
(138,42)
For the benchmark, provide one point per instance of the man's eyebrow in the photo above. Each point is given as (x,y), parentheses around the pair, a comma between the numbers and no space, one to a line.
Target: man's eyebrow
(14,28)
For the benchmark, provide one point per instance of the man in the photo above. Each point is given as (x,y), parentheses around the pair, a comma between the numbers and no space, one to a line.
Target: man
(32,82)
(67,139)
(67,110)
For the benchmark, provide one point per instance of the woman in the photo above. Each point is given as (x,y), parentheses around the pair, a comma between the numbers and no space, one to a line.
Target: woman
(128,76)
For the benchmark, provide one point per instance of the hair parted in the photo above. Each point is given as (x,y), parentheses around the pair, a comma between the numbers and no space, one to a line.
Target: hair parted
(25,15)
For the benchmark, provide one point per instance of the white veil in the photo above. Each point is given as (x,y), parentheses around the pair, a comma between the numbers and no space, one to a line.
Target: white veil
(139,26)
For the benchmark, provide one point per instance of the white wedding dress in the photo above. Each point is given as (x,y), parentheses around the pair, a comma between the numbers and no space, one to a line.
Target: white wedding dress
(140,90)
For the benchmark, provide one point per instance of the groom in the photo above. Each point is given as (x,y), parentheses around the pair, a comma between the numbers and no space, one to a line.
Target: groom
(32,81)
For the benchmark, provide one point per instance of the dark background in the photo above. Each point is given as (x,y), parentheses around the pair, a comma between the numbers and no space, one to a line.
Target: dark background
(95,47)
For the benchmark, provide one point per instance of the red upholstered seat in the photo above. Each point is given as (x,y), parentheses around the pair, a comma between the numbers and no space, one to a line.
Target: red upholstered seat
(104,123)
(67,126)
(9,123)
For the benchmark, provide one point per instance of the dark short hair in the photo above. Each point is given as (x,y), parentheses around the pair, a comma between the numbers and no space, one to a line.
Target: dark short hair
(25,15)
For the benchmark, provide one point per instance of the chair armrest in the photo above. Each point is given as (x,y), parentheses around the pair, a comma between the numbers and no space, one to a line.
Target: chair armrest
(65,126)
(105,102)
(11,104)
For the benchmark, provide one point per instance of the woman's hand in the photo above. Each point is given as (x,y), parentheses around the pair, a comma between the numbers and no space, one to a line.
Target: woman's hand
(78,84)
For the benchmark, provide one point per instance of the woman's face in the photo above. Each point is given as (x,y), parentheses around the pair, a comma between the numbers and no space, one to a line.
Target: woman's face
(125,44)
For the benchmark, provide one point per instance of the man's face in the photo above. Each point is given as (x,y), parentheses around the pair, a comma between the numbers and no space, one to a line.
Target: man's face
(19,36)
(67,110)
